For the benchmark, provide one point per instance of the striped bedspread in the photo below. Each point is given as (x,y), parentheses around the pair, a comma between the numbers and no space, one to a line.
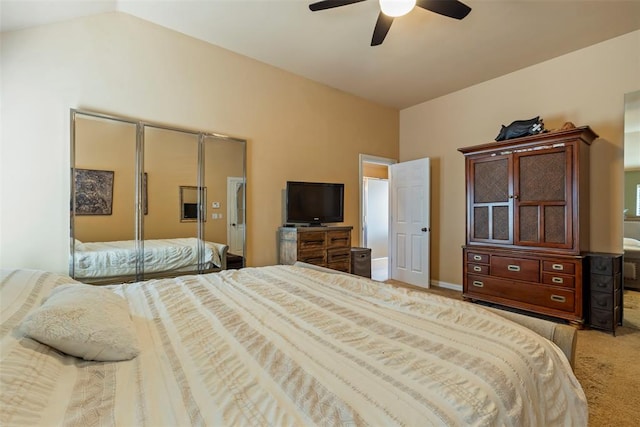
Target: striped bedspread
(287,346)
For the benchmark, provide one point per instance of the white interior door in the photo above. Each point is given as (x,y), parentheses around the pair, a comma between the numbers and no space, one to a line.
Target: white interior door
(235,215)
(409,222)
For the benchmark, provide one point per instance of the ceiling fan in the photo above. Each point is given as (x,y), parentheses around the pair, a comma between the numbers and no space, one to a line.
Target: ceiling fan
(390,9)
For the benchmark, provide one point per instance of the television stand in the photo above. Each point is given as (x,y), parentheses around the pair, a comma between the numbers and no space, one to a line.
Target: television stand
(326,246)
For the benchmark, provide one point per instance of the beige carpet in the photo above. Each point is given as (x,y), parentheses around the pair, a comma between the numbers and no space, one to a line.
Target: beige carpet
(608,367)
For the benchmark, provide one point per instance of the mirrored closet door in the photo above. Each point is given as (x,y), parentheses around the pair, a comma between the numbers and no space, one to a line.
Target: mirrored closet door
(151,201)
(631,230)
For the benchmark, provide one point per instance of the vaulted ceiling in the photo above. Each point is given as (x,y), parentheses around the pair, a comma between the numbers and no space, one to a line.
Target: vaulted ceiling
(424,55)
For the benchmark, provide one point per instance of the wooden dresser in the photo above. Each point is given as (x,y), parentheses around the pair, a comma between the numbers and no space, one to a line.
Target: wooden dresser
(324,246)
(528,222)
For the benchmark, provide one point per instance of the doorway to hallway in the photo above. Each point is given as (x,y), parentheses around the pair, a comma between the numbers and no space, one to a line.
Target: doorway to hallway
(374,208)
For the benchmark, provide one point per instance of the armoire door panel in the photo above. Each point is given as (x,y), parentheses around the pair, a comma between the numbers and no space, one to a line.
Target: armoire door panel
(528,224)
(500,220)
(543,190)
(542,177)
(491,198)
(481,222)
(555,224)
(491,181)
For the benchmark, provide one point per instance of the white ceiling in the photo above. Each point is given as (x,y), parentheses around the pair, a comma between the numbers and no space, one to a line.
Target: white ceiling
(424,56)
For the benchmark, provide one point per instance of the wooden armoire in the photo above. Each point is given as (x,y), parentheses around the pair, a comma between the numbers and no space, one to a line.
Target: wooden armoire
(528,222)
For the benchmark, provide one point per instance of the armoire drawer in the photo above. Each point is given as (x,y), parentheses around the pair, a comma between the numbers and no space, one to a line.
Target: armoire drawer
(478,268)
(527,270)
(559,267)
(478,258)
(528,293)
(558,280)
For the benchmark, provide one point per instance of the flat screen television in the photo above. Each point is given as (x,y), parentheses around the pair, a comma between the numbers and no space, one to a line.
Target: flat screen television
(314,203)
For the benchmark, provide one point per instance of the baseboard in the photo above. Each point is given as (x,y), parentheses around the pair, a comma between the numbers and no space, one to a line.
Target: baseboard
(446,285)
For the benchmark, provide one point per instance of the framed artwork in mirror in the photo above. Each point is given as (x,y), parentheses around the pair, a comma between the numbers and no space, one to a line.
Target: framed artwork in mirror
(189,203)
(94,192)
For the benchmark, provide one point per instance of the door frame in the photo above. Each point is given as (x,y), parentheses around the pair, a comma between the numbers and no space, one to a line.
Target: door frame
(232,203)
(367,158)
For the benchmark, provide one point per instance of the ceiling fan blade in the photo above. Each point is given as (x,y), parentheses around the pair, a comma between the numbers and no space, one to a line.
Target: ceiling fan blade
(329,4)
(450,8)
(382,28)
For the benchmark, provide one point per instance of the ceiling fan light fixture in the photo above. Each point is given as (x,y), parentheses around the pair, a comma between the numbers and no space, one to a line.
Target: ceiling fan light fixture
(396,8)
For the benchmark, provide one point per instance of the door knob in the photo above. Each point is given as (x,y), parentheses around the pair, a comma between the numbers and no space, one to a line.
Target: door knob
(424,229)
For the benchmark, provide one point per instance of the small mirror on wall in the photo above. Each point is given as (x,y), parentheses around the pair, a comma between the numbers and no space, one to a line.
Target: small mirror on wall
(189,203)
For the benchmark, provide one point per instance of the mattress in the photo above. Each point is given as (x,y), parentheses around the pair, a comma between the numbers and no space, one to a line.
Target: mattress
(118,258)
(283,345)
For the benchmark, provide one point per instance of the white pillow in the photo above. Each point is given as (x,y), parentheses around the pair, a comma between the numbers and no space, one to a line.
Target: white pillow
(84,321)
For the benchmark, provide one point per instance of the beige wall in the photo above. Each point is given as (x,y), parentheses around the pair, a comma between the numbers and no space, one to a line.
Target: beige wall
(114,63)
(170,161)
(108,145)
(223,159)
(585,87)
(374,170)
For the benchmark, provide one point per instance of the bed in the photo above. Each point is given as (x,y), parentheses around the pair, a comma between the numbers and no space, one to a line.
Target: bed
(286,345)
(100,262)
(631,268)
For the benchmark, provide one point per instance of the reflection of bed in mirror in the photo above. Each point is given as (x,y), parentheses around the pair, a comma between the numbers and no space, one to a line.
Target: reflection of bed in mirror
(631,263)
(102,262)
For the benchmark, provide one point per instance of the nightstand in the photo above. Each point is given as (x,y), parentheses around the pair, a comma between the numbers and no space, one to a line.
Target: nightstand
(605,291)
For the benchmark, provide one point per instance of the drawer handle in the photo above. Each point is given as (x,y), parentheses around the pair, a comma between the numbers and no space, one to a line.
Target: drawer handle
(557,280)
(478,284)
(513,267)
(558,267)
(477,268)
(558,298)
(477,257)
